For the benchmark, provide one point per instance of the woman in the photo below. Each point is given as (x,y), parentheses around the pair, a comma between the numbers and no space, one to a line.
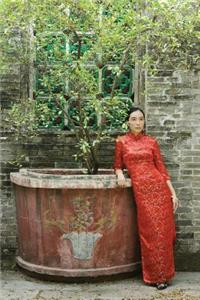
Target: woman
(154,195)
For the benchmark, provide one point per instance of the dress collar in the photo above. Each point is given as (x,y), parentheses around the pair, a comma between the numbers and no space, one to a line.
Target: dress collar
(136,137)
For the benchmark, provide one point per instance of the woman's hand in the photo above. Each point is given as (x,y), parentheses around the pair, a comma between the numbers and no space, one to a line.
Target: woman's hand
(121,181)
(175,202)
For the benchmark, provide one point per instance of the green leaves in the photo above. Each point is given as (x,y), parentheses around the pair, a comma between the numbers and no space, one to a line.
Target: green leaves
(84,53)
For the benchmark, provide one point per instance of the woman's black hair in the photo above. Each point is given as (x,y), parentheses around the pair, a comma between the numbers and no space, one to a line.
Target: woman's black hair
(132,109)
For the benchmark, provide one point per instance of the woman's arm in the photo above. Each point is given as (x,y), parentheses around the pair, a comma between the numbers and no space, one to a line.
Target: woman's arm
(159,163)
(118,163)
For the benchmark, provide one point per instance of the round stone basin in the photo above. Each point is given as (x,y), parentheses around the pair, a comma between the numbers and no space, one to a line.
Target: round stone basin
(71,224)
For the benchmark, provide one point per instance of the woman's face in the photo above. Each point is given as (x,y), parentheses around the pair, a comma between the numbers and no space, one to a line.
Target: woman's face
(136,122)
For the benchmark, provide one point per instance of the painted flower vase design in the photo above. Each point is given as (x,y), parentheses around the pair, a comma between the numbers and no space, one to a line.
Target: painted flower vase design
(83,243)
(83,232)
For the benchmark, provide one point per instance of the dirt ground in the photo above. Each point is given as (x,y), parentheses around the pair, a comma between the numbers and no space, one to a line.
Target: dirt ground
(18,286)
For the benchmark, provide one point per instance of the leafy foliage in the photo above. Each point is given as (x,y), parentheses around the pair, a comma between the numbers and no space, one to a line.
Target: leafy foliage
(74,45)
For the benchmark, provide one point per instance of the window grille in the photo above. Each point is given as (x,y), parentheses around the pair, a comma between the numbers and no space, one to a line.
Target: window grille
(62,47)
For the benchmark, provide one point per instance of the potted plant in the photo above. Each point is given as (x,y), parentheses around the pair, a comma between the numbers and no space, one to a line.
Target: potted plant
(84,62)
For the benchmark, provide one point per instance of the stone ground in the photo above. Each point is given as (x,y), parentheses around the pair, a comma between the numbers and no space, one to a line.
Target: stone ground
(18,286)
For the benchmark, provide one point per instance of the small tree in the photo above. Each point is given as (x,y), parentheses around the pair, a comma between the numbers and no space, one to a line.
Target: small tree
(67,45)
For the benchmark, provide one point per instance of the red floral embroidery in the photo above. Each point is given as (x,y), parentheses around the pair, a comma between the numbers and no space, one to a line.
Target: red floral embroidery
(141,156)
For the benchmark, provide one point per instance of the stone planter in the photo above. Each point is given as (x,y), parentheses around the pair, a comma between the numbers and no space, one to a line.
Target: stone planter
(75,225)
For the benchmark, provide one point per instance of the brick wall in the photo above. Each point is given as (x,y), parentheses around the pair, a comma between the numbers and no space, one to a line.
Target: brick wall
(173,116)
(9,93)
(173,113)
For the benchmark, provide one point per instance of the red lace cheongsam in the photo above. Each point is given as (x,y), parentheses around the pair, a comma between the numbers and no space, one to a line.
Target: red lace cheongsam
(140,154)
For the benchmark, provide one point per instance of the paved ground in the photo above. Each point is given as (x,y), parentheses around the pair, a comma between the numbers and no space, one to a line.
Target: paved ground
(17,286)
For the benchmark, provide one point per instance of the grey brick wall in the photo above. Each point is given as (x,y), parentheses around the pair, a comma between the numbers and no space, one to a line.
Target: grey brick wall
(9,93)
(172,109)
(173,116)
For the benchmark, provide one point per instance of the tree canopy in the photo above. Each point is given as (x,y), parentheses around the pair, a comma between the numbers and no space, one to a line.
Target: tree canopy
(79,56)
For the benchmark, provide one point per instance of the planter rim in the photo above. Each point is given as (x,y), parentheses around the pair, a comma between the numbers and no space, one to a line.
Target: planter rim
(53,178)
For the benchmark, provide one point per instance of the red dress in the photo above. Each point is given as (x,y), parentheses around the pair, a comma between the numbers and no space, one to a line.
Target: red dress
(141,156)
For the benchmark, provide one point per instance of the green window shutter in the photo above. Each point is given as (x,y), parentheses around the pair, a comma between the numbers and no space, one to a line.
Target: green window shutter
(124,84)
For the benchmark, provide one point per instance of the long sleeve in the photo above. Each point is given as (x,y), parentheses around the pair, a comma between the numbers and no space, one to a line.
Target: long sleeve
(159,163)
(118,160)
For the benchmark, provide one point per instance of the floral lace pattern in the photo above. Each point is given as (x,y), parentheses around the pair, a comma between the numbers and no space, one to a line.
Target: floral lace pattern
(140,154)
